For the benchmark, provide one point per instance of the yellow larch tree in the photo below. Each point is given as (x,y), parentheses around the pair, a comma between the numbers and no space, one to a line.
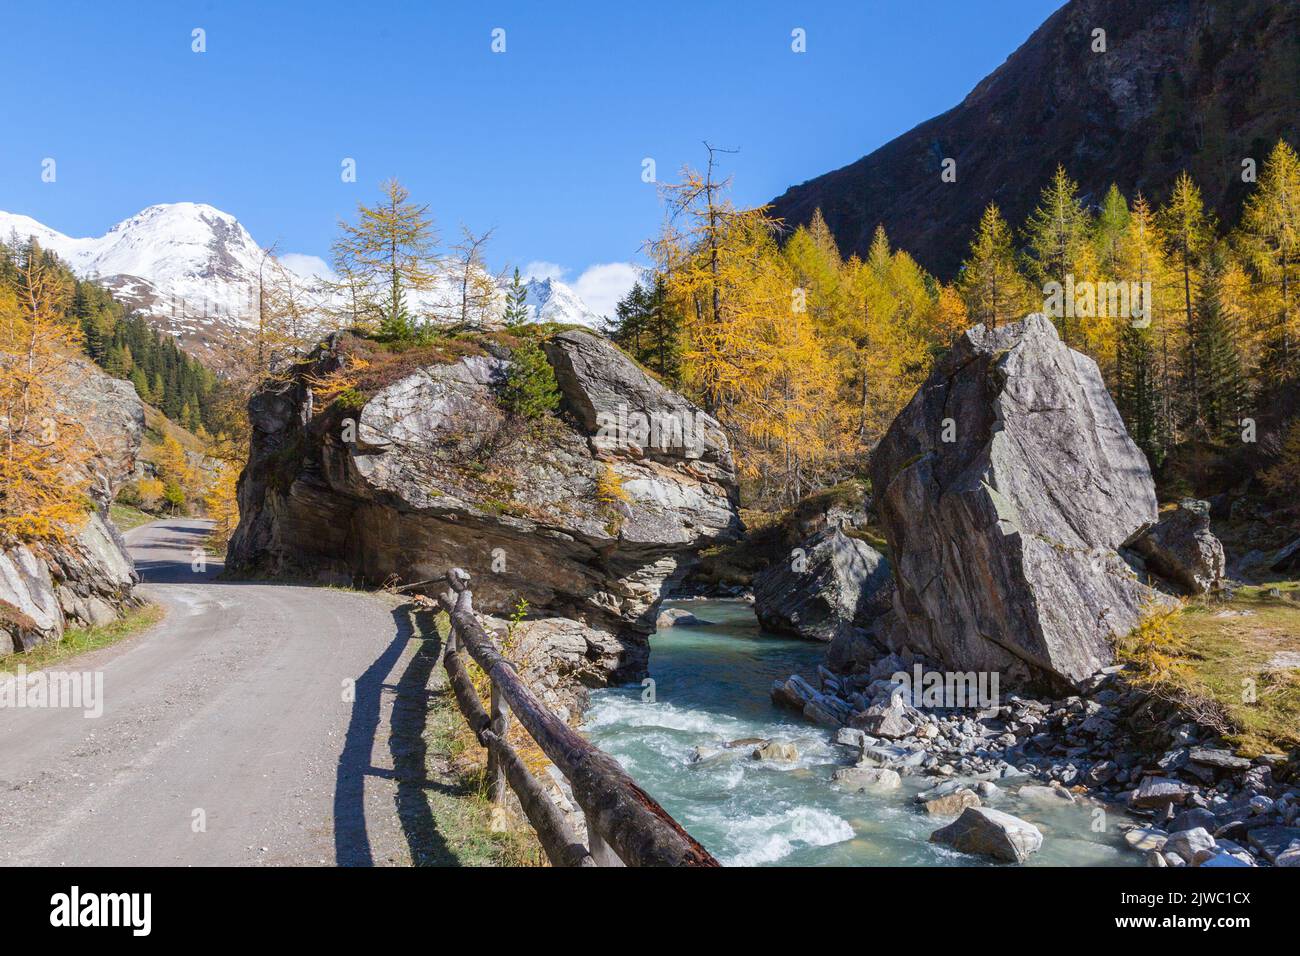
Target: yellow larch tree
(43,481)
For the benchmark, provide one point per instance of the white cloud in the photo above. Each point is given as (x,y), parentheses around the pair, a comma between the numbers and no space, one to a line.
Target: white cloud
(539,269)
(602,285)
(311,266)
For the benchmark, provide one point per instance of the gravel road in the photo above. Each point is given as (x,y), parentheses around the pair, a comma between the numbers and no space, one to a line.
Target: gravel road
(228,736)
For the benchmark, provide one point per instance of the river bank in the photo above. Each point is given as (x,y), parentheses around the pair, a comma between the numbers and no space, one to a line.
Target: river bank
(711,685)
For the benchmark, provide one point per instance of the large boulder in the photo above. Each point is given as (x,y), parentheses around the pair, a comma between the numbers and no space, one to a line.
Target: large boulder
(582,516)
(1183,550)
(829,586)
(1006,488)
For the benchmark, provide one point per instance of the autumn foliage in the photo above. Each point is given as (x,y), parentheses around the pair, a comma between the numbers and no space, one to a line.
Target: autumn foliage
(42,479)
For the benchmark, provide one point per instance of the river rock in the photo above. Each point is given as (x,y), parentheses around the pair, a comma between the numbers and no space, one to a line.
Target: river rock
(1194,846)
(951,804)
(1290,856)
(1158,793)
(867,778)
(1045,796)
(678,617)
(1218,758)
(1272,842)
(793,692)
(887,719)
(831,585)
(1146,838)
(441,476)
(988,832)
(777,750)
(1183,550)
(1006,488)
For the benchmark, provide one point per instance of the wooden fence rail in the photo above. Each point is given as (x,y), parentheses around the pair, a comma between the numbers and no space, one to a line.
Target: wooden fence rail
(625,826)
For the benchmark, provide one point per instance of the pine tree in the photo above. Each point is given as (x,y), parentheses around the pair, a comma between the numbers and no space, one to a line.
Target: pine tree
(476,287)
(530,389)
(1270,229)
(1221,382)
(990,280)
(1188,232)
(1057,234)
(1137,394)
(391,246)
(41,453)
(516,301)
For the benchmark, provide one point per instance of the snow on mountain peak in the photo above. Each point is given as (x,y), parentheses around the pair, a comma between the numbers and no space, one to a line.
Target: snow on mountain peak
(194,268)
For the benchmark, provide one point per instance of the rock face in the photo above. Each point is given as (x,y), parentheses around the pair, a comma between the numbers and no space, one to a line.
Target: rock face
(829,585)
(440,476)
(87,579)
(112,416)
(1006,488)
(1182,549)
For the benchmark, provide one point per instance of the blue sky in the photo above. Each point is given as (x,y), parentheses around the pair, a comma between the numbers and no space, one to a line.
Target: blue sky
(544,142)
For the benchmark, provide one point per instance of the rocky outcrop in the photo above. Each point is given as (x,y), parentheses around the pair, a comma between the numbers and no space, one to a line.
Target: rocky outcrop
(1182,550)
(588,517)
(29,608)
(831,584)
(111,416)
(87,578)
(1006,488)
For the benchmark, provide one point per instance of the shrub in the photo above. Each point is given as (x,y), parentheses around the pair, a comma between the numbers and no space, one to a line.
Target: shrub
(350,399)
(612,498)
(530,390)
(129,494)
(151,493)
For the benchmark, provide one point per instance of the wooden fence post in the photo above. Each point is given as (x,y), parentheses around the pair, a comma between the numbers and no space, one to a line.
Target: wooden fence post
(500,718)
(601,852)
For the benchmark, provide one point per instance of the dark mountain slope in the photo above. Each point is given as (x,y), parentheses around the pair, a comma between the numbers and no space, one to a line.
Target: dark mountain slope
(1196,84)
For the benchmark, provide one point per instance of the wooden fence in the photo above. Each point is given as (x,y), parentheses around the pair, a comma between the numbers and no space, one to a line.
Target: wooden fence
(625,826)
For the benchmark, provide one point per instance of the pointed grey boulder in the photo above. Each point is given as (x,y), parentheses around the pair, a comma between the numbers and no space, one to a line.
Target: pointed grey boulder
(1006,488)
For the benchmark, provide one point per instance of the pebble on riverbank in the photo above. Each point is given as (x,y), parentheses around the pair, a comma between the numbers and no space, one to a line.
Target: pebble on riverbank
(1061,752)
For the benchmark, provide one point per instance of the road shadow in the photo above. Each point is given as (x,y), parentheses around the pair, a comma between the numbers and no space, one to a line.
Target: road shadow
(351,838)
(409,748)
(157,560)
(407,724)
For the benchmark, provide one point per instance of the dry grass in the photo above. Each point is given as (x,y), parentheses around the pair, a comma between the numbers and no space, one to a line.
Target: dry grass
(516,845)
(80,640)
(1214,659)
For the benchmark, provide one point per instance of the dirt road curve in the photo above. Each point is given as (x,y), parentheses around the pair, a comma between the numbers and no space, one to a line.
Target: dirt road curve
(226,738)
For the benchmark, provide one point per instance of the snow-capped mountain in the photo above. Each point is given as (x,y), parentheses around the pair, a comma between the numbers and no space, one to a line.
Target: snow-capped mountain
(193,270)
(550,300)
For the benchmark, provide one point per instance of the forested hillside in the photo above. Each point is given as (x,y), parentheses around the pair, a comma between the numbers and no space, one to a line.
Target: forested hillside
(1166,85)
(123,344)
(806,356)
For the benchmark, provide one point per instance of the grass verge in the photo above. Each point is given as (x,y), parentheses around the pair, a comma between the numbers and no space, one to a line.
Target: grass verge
(127,517)
(79,640)
(461,810)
